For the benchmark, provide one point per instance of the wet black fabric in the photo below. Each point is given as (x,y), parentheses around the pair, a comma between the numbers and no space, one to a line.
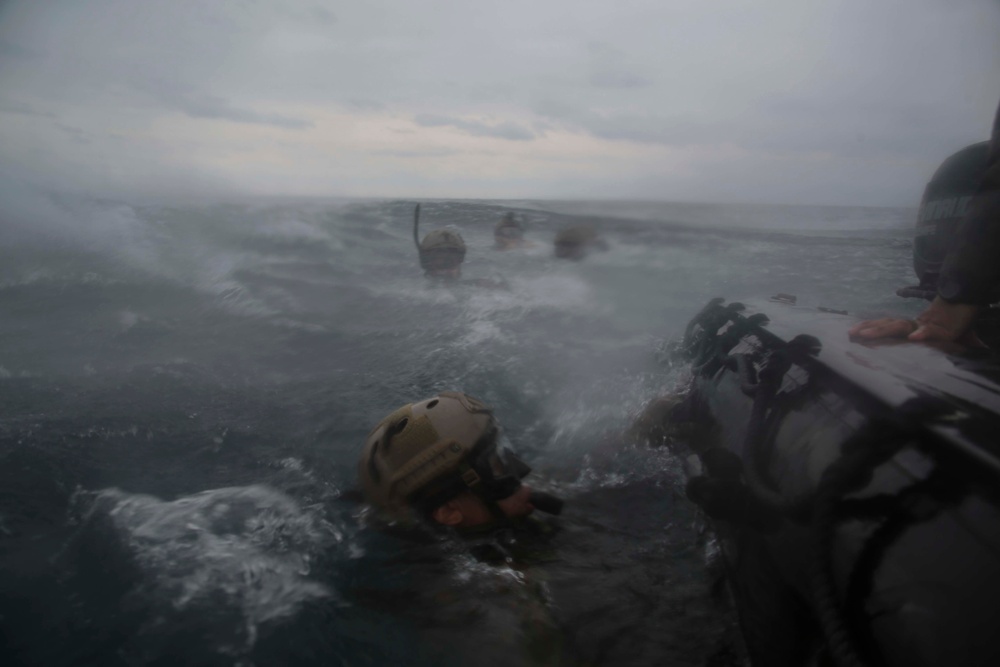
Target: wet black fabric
(971,271)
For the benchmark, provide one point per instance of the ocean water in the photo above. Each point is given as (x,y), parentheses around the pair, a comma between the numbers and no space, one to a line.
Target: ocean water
(185,390)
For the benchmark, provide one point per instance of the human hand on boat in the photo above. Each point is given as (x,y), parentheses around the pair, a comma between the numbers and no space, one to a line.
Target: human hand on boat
(942,321)
(885,327)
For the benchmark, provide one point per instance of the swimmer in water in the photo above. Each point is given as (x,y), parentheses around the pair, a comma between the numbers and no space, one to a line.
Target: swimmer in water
(577,242)
(440,459)
(442,253)
(509,233)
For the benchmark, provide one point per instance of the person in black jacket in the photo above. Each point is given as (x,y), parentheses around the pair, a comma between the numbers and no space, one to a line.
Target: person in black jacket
(969,275)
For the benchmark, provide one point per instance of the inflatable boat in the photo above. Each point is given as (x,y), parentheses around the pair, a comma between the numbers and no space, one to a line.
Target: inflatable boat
(854,487)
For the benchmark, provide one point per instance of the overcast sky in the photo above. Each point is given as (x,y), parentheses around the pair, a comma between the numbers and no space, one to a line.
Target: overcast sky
(778,101)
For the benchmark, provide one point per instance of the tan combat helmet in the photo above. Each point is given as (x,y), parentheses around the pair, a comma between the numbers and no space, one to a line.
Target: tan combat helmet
(441,249)
(576,242)
(426,453)
(508,230)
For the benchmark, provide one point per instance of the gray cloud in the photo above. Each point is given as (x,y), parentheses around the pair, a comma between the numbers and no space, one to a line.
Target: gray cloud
(633,127)
(505,130)
(417,152)
(22,109)
(201,105)
(651,130)
(610,68)
(78,135)
(364,105)
(320,15)
(198,104)
(10,49)
(842,91)
(788,126)
(617,79)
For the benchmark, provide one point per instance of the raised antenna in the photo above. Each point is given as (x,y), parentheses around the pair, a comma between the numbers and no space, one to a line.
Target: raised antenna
(416,225)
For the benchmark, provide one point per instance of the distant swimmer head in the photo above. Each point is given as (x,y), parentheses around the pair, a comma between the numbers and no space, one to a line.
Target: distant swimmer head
(441,457)
(509,233)
(442,252)
(576,242)
(946,198)
(508,220)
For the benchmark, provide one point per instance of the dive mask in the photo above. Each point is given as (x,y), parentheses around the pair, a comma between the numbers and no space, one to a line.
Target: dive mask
(499,471)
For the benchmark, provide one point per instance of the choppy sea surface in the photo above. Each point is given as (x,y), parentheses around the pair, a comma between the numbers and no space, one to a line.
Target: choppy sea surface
(184,391)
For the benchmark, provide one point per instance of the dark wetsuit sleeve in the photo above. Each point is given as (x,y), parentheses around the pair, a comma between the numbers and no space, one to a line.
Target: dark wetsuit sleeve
(971,271)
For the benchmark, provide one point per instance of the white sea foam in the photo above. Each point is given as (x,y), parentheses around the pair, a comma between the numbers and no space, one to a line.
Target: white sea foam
(247,548)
